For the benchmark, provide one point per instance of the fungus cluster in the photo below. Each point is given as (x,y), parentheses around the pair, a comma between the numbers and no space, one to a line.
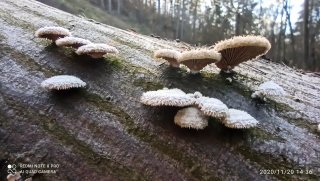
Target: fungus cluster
(225,54)
(268,89)
(62,38)
(197,108)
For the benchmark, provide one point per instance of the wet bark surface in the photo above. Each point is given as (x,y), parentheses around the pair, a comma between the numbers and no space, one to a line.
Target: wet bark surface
(104,133)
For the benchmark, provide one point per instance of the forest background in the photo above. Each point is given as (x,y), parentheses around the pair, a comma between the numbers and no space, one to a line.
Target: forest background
(295,36)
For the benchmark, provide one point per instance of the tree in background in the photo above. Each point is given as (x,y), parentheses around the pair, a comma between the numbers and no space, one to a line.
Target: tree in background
(203,22)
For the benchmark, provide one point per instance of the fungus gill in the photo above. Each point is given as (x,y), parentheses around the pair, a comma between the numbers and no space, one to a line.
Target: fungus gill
(240,49)
(196,60)
(62,82)
(52,32)
(191,117)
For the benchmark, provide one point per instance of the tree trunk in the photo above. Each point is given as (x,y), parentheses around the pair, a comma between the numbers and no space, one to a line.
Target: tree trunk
(306,31)
(281,37)
(104,133)
(103,5)
(194,19)
(159,7)
(119,7)
(110,5)
(291,32)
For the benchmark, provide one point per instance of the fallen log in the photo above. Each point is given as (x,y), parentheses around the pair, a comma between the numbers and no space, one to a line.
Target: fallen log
(104,133)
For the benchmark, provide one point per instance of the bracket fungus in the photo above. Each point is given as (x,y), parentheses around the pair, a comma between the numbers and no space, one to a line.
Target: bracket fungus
(239,119)
(213,107)
(191,117)
(96,50)
(196,60)
(62,82)
(52,32)
(196,109)
(167,97)
(172,56)
(73,42)
(240,49)
(267,89)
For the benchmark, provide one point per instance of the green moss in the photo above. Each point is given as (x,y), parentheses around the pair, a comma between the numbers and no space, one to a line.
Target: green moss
(11,20)
(115,61)
(50,125)
(161,145)
(148,85)
(26,60)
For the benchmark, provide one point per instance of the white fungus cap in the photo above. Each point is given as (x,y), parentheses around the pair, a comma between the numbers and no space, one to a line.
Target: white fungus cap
(242,41)
(239,120)
(62,82)
(167,97)
(269,88)
(52,32)
(213,107)
(172,56)
(191,117)
(96,50)
(195,95)
(72,41)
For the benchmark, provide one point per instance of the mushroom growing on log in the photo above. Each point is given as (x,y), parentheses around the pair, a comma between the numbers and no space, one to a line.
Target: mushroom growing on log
(240,49)
(172,56)
(73,42)
(96,50)
(197,109)
(52,32)
(196,60)
(62,82)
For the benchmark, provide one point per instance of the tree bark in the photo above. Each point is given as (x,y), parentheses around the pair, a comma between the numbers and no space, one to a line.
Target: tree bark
(306,31)
(291,31)
(104,133)
(119,7)
(110,5)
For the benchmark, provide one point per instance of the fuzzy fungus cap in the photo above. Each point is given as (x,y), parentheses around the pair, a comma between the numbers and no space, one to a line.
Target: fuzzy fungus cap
(240,49)
(268,88)
(167,97)
(196,60)
(172,56)
(62,82)
(213,107)
(239,120)
(96,50)
(52,32)
(70,41)
(191,117)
